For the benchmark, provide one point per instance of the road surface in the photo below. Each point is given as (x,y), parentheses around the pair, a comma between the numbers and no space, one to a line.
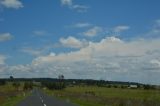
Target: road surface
(38,98)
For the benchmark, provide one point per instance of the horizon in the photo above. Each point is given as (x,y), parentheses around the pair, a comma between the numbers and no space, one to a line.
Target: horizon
(42,78)
(81,39)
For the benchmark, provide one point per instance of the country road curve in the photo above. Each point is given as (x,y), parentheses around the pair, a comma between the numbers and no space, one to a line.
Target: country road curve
(38,98)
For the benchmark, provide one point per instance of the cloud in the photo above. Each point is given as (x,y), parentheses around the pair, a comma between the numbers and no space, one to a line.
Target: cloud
(68,57)
(77,7)
(2,59)
(156,27)
(80,8)
(121,28)
(112,46)
(107,47)
(38,51)
(111,58)
(154,32)
(15,4)
(66,2)
(73,42)
(31,51)
(155,64)
(81,25)
(5,37)
(40,33)
(93,31)
(21,68)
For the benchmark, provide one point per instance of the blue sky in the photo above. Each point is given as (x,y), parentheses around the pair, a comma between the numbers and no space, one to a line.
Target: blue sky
(97,39)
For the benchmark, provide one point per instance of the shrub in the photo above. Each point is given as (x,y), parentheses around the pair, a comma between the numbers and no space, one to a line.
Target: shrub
(2,82)
(28,86)
(16,85)
(54,85)
(108,86)
(115,86)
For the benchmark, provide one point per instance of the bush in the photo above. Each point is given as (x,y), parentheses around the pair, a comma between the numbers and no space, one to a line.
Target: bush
(54,85)
(148,87)
(115,86)
(28,86)
(16,84)
(2,82)
(108,86)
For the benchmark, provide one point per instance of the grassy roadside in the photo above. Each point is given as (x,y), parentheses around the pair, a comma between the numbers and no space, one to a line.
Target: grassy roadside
(101,96)
(10,96)
(13,101)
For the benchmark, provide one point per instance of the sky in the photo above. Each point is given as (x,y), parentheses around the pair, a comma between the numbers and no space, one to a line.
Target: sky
(116,40)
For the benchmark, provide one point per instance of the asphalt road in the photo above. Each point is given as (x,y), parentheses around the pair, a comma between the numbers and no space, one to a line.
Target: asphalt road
(38,98)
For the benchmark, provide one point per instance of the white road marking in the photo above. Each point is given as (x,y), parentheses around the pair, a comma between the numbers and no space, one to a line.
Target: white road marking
(45,105)
(41,99)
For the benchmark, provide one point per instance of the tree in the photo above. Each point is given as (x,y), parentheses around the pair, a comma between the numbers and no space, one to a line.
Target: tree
(61,84)
(61,77)
(11,78)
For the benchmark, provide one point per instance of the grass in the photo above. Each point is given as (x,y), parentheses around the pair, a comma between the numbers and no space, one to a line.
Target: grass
(13,101)
(10,96)
(101,96)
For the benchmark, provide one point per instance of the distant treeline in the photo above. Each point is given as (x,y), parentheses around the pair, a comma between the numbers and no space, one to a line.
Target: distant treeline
(55,83)
(77,81)
(70,81)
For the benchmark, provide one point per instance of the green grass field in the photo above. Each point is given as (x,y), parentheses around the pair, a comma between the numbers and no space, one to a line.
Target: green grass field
(102,96)
(9,95)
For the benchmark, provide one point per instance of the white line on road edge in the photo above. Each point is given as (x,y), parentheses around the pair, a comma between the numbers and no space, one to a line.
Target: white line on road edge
(45,105)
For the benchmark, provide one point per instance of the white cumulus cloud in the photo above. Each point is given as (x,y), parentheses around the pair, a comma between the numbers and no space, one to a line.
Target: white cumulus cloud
(109,47)
(72,42)
(93,31)
(16,4)
(121,28)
